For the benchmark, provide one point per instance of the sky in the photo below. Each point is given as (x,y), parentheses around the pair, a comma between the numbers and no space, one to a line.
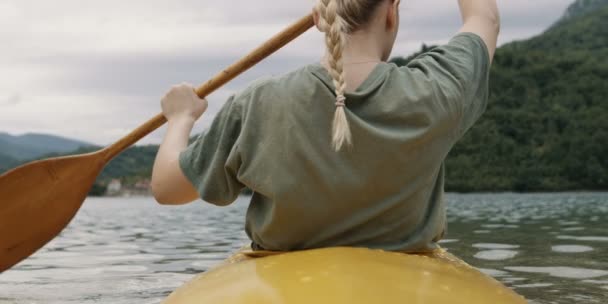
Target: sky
(95,70)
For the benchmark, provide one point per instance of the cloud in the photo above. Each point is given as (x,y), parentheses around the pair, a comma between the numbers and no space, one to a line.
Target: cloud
(10,100)
(94,70)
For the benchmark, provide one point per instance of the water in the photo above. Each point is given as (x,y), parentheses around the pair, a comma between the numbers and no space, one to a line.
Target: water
(551,248)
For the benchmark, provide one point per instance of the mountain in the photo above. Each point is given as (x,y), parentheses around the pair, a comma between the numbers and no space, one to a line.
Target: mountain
(7,162)
(582,7)
(545,128)
(29,146)
(132,165)
(583,31)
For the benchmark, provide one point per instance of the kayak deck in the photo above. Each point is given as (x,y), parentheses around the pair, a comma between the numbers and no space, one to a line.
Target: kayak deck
(343,275)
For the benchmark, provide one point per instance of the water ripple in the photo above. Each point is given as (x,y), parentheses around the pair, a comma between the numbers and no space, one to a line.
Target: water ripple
(563,272)
(584,238)
(496,255)
(495,246)
(571,248)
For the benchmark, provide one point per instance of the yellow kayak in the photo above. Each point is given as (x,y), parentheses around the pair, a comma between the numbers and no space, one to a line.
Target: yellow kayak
(343,275)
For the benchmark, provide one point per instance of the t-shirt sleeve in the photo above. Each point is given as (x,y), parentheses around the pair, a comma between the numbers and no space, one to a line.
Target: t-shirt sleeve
(460,72)
(212,161)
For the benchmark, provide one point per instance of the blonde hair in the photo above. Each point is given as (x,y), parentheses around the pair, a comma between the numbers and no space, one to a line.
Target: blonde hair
(338,18)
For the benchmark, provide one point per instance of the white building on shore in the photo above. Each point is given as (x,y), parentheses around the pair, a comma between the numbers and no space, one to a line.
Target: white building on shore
(114,187)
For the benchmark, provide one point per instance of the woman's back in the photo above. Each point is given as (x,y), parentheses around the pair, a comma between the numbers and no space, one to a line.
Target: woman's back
(383,192)
(332,168)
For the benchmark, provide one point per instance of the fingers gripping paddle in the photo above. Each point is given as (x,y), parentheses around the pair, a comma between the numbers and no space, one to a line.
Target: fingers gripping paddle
(39,199)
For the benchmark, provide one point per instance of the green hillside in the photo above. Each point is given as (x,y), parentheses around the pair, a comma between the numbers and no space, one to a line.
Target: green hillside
(132,165)
(582,7)
(7,162)
(33,145)
(545,128)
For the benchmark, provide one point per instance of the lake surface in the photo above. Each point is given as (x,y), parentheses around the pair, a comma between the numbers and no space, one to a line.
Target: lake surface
(551,248)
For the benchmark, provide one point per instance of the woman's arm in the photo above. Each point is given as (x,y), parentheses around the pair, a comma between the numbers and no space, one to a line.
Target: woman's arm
(481,17)
(182,107)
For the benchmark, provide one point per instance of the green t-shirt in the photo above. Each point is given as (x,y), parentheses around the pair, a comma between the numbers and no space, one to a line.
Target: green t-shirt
(385,192)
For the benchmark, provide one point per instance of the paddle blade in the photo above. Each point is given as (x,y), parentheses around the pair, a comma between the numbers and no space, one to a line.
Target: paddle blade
(39,199)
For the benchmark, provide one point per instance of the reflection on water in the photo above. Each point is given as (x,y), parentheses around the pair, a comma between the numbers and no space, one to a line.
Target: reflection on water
(552,248)
(495,246)
(584,238)
(571,248)
(496,255)
(563,272)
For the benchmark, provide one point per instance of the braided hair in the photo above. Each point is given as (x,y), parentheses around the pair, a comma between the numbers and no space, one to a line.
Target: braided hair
(337,18)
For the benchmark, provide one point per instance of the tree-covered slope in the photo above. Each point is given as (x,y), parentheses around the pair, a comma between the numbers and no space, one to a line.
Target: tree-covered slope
(582,7)
(545,128)
(7,162)
(132,165)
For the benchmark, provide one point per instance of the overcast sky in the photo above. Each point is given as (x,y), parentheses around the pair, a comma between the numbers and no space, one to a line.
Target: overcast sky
(94,70)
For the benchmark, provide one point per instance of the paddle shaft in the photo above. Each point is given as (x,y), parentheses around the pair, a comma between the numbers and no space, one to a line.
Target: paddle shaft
(257,55)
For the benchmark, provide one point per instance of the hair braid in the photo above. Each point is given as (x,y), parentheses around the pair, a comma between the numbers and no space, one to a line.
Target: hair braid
(335,28)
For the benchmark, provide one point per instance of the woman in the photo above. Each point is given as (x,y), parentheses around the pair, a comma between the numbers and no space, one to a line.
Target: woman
(348,152)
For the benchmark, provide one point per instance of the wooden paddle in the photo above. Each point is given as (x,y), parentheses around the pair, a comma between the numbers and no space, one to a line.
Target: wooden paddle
(39,199)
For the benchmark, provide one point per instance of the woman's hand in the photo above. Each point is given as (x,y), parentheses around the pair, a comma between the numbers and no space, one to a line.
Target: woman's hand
(181,102)
(182,107)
